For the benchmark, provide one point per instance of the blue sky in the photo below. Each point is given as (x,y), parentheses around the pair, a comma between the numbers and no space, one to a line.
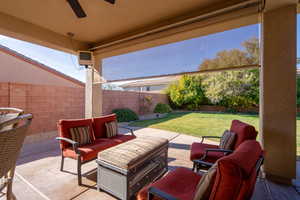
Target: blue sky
(176,57)
(172,58)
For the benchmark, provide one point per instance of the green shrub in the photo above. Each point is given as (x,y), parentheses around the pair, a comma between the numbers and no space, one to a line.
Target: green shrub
(187,91)
(233,89)
(125,115)
(162,108)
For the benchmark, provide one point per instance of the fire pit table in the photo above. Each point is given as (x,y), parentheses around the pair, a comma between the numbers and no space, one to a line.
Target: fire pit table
(124,169)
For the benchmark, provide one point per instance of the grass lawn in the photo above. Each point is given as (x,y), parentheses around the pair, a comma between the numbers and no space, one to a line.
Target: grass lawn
(199,124)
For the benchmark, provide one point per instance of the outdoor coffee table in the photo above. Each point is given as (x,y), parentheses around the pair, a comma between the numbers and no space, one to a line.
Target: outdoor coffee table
(124,169)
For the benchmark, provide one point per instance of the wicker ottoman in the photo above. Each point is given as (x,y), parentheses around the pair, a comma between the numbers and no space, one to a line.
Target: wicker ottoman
(124,169)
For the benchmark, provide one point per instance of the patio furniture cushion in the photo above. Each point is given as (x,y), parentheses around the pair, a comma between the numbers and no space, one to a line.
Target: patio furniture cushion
(118,139)
(81,135)
(181,183)
(131,153)
(205,184)
(90,151)
(198,150)
(99,125)
(238,170)
(243,132)
(65,125)
(111,128)
(227,141)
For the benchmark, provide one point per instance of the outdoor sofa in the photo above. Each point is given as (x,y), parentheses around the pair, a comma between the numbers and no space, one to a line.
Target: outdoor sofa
(99,140)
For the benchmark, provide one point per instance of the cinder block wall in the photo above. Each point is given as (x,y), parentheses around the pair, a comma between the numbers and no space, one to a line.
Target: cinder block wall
(133,100)
(47,103)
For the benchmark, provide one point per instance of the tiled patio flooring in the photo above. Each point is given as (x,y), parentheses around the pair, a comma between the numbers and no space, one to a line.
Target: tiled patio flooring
(38,176)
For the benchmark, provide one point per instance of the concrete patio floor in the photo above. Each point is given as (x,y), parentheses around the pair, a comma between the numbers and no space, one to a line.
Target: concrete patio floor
(38,176)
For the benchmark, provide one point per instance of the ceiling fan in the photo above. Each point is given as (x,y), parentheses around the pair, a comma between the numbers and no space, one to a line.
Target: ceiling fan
(79,12)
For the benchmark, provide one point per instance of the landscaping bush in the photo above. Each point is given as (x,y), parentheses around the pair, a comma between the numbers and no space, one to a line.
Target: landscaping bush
(162,108)
(125,115)
(233,89)
(187,91)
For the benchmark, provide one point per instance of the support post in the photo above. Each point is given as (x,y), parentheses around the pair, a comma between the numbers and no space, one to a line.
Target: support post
(278,93)
(93,89)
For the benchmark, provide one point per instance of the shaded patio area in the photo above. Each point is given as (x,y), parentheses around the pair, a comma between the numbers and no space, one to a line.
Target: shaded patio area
(38,176)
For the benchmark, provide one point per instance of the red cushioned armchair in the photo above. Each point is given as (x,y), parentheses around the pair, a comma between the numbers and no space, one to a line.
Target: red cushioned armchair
(234,180)
(89,152)
(203,154)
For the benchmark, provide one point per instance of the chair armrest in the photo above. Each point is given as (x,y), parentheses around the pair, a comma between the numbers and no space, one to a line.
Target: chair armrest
(218,150)
(203,163)
(204,137)
(154,192)
(128,128)
(74,144)
(225,151)
(16,110)
(215,150)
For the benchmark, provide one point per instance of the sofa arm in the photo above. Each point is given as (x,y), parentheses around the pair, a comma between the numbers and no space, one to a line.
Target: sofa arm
(128,128)
(154,192)
(204,137)
(72,142)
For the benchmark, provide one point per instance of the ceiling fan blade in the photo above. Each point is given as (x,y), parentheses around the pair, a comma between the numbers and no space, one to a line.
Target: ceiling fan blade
(110,1)
(76,7)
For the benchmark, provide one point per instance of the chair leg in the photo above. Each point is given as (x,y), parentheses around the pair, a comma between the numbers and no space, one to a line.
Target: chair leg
(194,166)
(149,196)
(79,171)
(9,192)
(62,163)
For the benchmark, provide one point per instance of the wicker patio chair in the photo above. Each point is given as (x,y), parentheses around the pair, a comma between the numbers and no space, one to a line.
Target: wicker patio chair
(12,135)
(8,114)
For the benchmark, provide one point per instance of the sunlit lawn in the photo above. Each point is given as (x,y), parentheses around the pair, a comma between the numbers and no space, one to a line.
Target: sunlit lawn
(199,124)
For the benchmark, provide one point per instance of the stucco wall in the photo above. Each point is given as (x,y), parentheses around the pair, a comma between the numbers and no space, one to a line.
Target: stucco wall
(17,70)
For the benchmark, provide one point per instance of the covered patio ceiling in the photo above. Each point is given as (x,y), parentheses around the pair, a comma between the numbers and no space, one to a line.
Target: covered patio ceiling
(125,26)
(113,29)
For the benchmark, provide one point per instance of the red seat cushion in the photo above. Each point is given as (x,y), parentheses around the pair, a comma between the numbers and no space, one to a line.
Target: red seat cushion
(243,132)
(90,152)
(180,183)
(198,150)
(122,138)
(99,125)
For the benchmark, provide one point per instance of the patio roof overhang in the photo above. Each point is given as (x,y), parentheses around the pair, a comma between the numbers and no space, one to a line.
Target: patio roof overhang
(126,26)
(132,25)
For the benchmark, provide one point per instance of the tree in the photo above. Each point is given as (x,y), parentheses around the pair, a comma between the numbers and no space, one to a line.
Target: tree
(187,92)
(226,58)
(233,88)
(234,57)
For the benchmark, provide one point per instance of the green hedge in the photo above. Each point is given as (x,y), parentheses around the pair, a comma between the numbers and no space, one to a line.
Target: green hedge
(125,115)
(162,108)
